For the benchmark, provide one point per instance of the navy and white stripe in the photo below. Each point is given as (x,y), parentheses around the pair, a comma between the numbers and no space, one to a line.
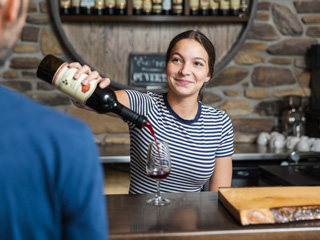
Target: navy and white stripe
(194,144)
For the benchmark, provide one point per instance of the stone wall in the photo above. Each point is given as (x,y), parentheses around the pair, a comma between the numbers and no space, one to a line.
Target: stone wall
(272,64)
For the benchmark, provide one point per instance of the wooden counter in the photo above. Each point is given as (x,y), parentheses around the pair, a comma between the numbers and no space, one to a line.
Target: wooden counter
(196,216)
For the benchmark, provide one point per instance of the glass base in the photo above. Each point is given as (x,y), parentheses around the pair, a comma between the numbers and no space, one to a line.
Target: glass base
(158,201)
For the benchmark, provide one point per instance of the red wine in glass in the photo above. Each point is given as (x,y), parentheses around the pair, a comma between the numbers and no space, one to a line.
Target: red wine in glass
(158,174)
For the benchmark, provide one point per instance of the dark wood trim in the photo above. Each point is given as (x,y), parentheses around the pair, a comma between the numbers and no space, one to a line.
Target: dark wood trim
(248,21)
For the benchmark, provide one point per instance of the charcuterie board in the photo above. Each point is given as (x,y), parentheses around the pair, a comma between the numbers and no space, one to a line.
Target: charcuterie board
(266,205)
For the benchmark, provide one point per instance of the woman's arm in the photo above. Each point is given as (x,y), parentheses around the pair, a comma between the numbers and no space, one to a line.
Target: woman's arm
(222,174)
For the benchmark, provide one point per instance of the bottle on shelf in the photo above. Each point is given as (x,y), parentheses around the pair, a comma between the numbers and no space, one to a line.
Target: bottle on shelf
(75,7)
(224,7)
(157,7)
(147,7)
(177,7)
(110,6)
(204,7)
(194,7)
(65,7)
(137,7)
(87,7)
(98,7)
(243,8)
(121,7)
(166,7)
(235,7)
(214,7)
(57,73)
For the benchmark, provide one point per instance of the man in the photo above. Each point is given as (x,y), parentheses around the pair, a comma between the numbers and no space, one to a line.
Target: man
(51,184)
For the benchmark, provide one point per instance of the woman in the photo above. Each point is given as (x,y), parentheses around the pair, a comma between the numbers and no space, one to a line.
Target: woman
(200,137)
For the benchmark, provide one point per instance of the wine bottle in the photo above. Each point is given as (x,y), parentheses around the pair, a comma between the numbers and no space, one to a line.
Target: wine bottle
(214,7)
(98,7)
(121,7)
(65,7)
(224,7)
(243,8)
(157,7)
(147,7)
(137,7)
(166,7)
(87,7)
(177,7)
(75,7)
(110,6)
(204,7)
(57,73)
(235,7)
(194,7)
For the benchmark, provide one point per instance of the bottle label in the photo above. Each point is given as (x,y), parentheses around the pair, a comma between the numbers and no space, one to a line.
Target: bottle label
(110,3)
(214,4)
(75,3)
(87,3)
(63,80)
(194,4)
(204,4)
(137,4)
(99,4)
(147,5)
(65,3)
(166,5)
(121,4)
(225,4)
(235,4)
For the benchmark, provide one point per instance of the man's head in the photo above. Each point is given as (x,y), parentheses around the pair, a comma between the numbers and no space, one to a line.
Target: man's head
(12,19)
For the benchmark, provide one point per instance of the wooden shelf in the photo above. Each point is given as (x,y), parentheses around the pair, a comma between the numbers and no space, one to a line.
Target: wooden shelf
(155,18)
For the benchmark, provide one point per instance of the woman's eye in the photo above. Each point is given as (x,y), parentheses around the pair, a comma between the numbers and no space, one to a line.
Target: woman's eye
(176,60)
(198,64)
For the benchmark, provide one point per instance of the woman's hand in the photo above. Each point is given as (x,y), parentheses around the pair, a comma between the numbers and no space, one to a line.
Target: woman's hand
(92,75)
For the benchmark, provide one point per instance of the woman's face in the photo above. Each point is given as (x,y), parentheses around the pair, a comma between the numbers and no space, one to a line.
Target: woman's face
(187,68)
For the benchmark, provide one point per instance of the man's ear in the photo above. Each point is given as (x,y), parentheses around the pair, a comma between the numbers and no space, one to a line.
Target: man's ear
(11,9)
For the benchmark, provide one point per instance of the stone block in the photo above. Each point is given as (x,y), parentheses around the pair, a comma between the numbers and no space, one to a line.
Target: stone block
(287,22)
(244,138)
(51,99)
(263,31)
(38,19)
(231,93)
(257,93)
(280,61)
(314,19)
(272,76)
(29,74)
(24,48)
(248,58)
(229,76)
(43,7)
(100,123)
(313,31)
(254,46)
(302,62)
(236,107)
(11,74)
(252,125)
(19,86)
(263,16)
(265,6)
(115,139)
(307,6)
(30,34)
(304,78)
(209,98)
(24,62)
(294,46)
(270,108)
(32,7)
(302,92)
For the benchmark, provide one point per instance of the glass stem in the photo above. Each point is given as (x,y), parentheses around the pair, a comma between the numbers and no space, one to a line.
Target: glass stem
(158,189)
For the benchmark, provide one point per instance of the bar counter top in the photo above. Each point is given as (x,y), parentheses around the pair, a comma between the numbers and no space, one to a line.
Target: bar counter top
(243,151)
(197,216)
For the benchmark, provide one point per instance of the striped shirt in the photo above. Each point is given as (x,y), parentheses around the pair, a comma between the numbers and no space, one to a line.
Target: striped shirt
(194,144)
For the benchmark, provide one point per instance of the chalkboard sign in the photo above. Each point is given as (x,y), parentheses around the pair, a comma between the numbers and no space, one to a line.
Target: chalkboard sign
(148,69)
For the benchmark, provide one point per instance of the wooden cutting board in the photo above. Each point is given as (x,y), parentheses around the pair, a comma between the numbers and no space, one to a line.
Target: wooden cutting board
(257,205)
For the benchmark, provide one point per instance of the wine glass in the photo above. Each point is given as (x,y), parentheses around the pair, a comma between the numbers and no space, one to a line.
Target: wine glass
(158,167)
